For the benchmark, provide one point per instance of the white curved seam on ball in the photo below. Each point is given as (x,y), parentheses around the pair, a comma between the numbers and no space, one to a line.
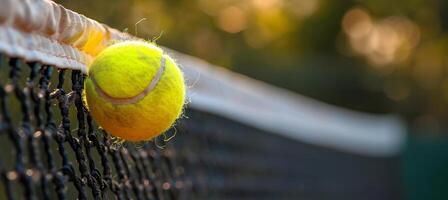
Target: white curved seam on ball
(139,96)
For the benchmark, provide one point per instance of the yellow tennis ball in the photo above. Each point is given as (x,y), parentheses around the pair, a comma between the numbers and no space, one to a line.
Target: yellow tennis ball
(134,91)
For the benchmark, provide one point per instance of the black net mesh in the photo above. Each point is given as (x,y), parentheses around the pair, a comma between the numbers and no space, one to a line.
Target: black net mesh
(50,148)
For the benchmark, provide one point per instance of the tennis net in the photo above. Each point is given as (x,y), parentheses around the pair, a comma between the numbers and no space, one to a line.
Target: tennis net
(240,139)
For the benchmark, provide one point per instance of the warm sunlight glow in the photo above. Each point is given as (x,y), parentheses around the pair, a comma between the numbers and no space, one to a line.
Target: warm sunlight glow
(232,19)
(383,42)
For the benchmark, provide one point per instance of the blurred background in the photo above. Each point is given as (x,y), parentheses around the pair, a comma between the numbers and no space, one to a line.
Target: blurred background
(372,56)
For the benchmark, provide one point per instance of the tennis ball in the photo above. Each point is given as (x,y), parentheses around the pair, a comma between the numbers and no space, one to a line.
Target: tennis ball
(134,91)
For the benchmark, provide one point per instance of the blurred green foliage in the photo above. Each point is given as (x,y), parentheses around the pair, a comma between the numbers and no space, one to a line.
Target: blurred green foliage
(375,55)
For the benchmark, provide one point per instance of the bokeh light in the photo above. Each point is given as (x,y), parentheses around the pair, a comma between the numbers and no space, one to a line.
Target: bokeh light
(383,42)
(232,19)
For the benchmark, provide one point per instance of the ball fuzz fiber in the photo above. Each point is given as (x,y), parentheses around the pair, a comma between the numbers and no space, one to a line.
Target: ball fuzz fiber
(134,91)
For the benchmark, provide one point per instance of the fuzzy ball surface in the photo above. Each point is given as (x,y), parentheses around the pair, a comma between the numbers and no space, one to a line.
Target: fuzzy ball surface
(134,91)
